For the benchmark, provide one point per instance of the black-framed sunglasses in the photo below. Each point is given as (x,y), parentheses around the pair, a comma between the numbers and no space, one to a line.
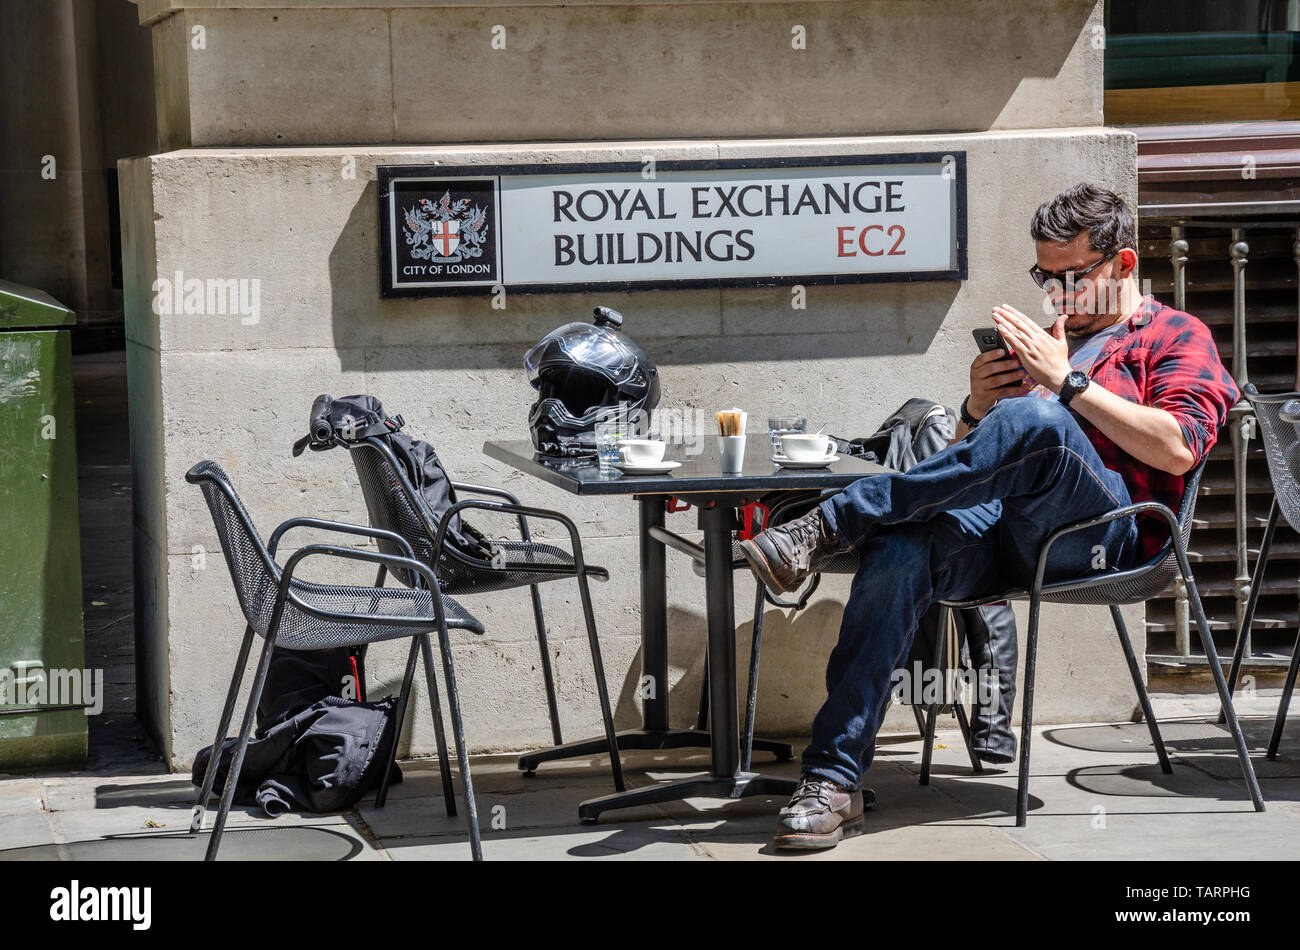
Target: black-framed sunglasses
(1069,280)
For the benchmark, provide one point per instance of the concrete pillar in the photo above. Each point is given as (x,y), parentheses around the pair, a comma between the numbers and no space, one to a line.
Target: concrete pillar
(73,76)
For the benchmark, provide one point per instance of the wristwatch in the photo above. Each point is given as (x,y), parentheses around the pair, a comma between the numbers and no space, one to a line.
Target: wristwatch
(1074,384)
(969,420)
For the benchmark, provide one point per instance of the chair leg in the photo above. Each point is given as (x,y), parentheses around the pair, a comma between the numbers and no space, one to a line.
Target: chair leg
(751,695)
(1221,684)
(702,715)
(1248,617)
(440,739)
(932,709)
(548,676)
(1027,706)
(457,729)
(444,764)
(958,709)
(1279,723)
(602,688)
(920,721)
(246,730)
(1136,672)
(210,774)
(399,714)
(927,751)
(976,765)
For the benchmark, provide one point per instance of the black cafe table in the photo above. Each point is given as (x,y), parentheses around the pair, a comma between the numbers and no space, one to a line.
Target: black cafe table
(716,497)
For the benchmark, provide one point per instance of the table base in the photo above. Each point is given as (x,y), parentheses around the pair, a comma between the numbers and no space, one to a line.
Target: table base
(740,785)
(643,739)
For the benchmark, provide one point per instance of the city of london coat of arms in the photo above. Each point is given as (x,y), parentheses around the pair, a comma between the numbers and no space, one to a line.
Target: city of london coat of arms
(445,232)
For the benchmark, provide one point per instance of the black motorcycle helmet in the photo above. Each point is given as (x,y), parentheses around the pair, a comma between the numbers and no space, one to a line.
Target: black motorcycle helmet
(587,373)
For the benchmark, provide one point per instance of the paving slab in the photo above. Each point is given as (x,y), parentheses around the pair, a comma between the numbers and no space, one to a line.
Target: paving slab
(502,794)
(24,831)
(930,842)
(19,796)
(643,841)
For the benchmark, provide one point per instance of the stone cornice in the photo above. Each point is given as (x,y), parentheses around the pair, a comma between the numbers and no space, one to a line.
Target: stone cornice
(152,11)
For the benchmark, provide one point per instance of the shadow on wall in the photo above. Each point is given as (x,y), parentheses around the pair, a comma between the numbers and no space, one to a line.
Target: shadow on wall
(792,668)
(707,325)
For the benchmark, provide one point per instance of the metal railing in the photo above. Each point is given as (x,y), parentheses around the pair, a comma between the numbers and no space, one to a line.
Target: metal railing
(1194,268)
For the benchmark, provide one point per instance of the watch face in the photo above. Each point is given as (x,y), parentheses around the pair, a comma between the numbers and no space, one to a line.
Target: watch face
(1077,379)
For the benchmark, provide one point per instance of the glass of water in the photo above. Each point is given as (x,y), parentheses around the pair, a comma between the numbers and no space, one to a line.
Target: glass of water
(608,435)
(779,425)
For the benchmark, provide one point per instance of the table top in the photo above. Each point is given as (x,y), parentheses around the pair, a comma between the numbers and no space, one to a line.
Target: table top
(700,473)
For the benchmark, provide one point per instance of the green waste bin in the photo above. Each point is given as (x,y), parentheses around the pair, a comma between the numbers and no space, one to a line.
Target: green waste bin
(43,681)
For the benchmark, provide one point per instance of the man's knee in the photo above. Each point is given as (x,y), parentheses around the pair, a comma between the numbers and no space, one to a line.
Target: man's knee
(1033,417)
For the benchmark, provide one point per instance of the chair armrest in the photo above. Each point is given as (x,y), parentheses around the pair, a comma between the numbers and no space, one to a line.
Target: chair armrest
(522,511)
(389,561)
(484,490)
(341,528)
(1152,507)
(495,493)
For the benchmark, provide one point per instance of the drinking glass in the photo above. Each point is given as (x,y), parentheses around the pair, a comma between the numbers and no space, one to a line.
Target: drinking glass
(607,436)
(779,425)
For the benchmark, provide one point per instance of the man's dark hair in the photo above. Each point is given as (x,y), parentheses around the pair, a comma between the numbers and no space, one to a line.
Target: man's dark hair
(1102,213)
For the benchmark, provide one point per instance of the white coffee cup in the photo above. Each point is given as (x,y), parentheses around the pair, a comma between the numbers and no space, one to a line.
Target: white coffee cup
(805,447)
(641,451)
(731,453)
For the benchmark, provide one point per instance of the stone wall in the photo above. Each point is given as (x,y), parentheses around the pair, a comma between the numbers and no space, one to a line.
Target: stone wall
(78,89)
(306,72)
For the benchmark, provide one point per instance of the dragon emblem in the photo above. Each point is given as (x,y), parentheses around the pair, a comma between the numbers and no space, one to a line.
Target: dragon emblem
(445,232)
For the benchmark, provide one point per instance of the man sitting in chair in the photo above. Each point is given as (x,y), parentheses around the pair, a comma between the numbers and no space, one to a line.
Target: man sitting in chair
(1133,395)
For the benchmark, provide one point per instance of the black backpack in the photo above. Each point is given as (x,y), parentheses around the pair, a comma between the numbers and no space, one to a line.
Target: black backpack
(914,432)
(324,757)
(295,681)
(353,419)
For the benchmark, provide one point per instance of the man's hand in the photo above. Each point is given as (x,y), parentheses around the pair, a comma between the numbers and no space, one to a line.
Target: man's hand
(993,375)
(1044,355)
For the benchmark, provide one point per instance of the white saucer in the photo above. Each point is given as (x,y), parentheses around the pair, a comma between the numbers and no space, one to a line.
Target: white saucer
(791,463)
(650,468)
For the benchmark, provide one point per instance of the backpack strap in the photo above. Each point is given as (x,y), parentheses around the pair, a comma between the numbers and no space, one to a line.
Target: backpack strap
(385,426)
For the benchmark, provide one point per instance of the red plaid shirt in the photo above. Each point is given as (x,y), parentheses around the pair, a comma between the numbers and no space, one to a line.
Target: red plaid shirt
(1167,359)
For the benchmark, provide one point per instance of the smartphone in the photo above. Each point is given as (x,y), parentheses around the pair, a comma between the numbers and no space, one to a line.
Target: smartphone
(988,338)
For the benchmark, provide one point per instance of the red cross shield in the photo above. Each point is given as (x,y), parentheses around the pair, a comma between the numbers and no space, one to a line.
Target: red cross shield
(446,237)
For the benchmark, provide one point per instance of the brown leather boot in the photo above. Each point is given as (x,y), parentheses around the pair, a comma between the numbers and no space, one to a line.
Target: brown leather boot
(782,556)
(820,814)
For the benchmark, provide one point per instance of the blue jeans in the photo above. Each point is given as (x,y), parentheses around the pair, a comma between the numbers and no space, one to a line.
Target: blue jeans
(968,521)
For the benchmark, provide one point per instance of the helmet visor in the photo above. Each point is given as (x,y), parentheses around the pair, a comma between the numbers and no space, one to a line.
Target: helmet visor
(584,345)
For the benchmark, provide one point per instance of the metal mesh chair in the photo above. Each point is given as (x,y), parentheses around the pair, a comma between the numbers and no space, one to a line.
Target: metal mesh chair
(1113,590)
(298,615)
(1279,424)
(396,506)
